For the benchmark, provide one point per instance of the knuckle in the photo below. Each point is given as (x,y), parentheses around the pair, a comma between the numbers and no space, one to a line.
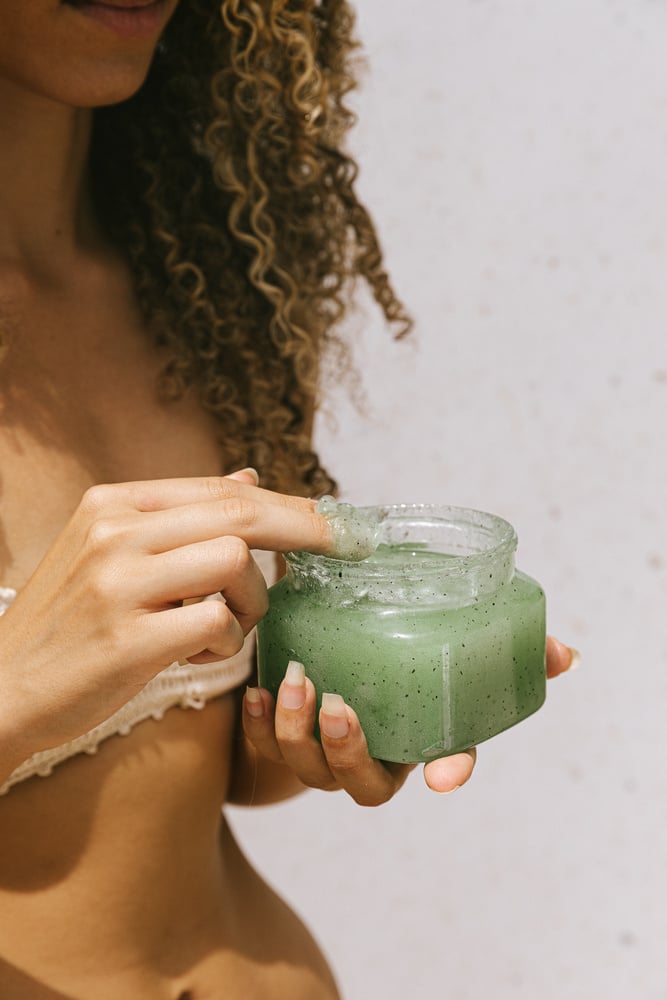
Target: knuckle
(236,553)
(96,498)
(217,487)
(368,792)
(216,617)
(241,512)
(291,740)
(346,768)
(104,533)
(364,788)
(220,625)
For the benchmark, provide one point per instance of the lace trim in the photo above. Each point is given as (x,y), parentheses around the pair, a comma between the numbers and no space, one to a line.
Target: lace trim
(189,686)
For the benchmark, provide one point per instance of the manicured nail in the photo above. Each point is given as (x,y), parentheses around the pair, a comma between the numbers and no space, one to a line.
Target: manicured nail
(249,471)
(334,722)
(293,687)
(253,703)
(569,655)
(561,658)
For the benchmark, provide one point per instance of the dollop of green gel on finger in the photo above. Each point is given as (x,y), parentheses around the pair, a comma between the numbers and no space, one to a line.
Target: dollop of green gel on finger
(355,530)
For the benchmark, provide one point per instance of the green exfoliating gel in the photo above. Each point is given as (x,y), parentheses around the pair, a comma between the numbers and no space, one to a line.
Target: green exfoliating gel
(434,638)
(355,530)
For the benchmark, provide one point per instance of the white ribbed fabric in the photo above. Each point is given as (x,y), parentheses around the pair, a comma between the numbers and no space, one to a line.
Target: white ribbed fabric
(185,685)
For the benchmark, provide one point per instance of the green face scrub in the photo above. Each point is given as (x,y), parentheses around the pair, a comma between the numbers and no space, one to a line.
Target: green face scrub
(434,639)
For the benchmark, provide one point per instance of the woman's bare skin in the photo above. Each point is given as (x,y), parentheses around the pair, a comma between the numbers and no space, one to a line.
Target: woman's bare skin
(118,874)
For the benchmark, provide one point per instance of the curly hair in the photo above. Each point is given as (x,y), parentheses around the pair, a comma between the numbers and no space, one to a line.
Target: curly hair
(225,182)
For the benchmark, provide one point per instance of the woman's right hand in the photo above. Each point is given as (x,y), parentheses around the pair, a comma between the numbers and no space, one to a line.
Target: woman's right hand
(104,611)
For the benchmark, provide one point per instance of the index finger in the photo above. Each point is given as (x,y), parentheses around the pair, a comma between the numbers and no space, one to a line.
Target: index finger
(267,526)
(163,494)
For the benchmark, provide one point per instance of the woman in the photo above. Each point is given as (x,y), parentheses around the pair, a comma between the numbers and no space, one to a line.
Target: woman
(172,264)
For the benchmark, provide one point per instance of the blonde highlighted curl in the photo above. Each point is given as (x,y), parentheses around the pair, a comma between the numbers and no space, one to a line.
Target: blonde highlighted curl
(225,181)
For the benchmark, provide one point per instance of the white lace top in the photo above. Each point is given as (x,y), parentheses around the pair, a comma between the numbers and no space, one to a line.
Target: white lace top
(189,686)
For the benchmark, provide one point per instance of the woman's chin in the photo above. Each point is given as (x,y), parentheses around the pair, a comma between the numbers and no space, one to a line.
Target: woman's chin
(82,53)
(90,85)
(107,92)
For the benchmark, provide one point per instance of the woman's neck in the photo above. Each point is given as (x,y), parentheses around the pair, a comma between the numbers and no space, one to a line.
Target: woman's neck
(46,215)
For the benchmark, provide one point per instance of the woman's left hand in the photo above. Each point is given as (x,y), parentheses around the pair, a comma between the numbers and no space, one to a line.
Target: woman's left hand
(283,732)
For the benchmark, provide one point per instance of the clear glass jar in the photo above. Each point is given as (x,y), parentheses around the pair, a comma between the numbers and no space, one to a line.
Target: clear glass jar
(435,640)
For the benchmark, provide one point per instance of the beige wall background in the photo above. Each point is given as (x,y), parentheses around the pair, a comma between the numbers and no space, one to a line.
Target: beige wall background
(514,153)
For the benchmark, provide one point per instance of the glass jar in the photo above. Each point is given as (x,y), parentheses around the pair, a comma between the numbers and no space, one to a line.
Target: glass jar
(435,640)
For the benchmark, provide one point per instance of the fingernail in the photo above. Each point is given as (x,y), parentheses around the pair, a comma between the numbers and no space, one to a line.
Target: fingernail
(570,655)
(293,687)
(562,658)
(249,471)
(448,791)
(334,722)
(253,702)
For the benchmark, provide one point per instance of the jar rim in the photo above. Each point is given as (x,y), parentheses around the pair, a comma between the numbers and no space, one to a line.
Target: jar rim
(494,539)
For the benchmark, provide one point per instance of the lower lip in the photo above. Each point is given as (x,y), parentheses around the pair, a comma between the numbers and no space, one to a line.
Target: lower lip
(130,22)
